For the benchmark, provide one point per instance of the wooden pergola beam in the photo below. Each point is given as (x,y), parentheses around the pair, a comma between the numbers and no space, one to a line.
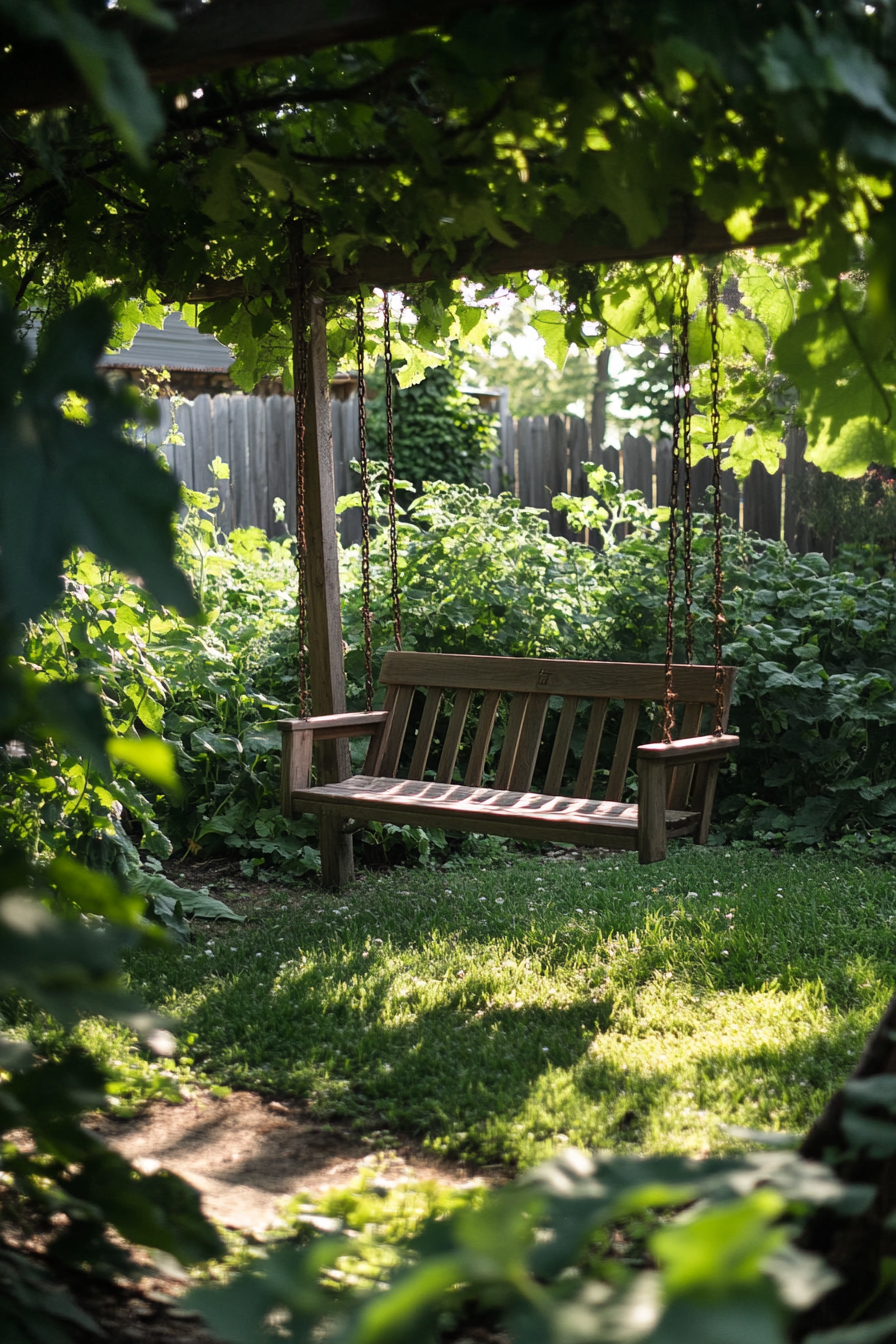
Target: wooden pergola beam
(389,268)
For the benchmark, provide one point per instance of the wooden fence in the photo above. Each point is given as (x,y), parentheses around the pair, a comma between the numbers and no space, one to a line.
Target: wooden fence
(539,457)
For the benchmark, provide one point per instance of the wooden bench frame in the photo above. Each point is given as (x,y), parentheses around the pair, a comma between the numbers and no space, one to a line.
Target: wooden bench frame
(676,780)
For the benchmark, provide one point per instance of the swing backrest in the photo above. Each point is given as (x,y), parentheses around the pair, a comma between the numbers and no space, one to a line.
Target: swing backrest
(529,684)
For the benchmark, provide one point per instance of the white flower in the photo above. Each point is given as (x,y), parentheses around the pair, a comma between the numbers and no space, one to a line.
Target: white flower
(258,954)
(579,912)
(545,1049)
(209,952)
(499,900)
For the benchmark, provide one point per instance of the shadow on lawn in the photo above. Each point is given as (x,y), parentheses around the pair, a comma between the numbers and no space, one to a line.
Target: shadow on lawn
(344,1036)
(446,1061)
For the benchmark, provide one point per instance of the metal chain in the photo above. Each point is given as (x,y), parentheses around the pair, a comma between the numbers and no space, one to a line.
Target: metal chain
(300,398)
(688,522)
(365,505)
(390,472)
(715,420)
(672,560)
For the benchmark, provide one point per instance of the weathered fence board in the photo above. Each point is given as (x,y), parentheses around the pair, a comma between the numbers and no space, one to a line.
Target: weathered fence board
(762,502)
(539,457)
(637,466)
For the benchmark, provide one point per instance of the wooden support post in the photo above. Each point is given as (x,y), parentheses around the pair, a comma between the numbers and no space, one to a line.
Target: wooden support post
(322,588)
(651,811)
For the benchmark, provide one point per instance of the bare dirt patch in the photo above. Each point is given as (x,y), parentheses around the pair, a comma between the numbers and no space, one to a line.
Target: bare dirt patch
(244,1154)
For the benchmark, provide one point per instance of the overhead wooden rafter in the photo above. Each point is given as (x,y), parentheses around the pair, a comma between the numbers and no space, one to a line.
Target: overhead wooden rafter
(687,232)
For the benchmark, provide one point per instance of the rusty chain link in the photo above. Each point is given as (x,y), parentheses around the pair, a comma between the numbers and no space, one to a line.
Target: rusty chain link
(364,464)
(672,560)
(390,472)
(687,518)
(715,420)
(299,304)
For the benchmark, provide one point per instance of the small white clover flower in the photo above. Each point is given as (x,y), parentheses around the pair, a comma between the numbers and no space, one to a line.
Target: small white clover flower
(499,900)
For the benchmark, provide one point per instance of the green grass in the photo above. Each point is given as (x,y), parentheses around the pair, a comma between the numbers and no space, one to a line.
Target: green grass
(495,1013)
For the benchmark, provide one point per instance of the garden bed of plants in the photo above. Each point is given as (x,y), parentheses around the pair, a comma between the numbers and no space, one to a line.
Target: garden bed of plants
(815,703)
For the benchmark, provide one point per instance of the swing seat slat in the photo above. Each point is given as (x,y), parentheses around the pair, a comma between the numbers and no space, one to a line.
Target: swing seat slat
(676,781)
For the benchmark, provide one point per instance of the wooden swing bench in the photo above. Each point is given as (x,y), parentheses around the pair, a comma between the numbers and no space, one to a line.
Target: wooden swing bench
(676,780)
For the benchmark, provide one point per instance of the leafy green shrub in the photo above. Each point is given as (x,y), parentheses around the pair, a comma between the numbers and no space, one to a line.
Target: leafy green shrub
(578,1250)
(860,511)
(479,574)
(203,687)
(440,432)
(815,643)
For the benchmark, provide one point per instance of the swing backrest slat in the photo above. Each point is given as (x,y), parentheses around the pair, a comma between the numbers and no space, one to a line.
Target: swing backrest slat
(453,735)
(478,686)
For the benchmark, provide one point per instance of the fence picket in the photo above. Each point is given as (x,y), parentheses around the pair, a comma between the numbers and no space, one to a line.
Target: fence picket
(762,502)
(239,459)
(637,466)
(201,442)
(257,454)
(557,474)
(508,453)
(277,462)
(537,458)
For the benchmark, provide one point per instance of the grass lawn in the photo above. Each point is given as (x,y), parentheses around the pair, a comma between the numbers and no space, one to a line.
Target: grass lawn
(496,1012)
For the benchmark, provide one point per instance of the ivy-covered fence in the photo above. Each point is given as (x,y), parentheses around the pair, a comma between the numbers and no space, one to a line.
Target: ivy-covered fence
(538,457)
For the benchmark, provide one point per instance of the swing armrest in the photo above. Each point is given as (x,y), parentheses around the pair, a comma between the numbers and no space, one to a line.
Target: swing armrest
(299,736)
(689,750)
(336,725)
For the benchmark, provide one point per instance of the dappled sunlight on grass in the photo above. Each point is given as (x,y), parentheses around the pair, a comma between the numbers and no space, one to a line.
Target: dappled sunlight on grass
(498,1012)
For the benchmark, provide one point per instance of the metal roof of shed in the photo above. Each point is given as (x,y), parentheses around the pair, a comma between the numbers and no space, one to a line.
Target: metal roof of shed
(176,346)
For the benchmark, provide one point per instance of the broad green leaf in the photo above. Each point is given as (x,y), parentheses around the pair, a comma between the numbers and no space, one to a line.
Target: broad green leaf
(721,1248)
(195,903)
(60,488)
(551,326)
(769,297)
(94,893)
(152,757)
